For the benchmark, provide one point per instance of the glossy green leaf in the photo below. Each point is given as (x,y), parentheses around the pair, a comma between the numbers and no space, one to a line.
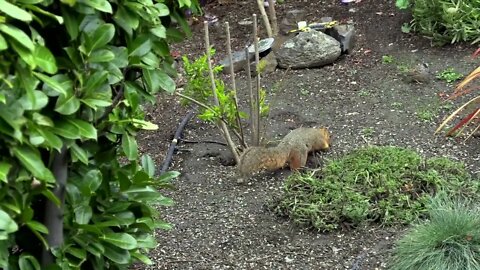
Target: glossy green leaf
(162,9)
(7,224)
(159,31)
(71,21)
(94,103)
(67,104)
(146,241)
(14,11)
(94,81)
(76,252)
(42,120)
(79,153)
(148,165)
(37,226)
(24,53)
(167,176)
(3,43)
(121,56)
(37,101)
(142,124)
(83,214)
(36,139)
(4,170)
(51,139)
(126,19)
(45,60)
(86,129)
(140,46)
(30,158)
(28,262)
(18,35)
(50,196)
(121,240)
(157,79)
(54,83)
(129,145)
(144,259)
(59,19)
(67,130)
(91,182)
(101,37)
(116,254)
(101,5)
(102,55)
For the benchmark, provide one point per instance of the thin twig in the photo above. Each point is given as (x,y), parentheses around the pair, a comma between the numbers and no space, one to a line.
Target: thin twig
(205,106)
(234,86)
(222,125)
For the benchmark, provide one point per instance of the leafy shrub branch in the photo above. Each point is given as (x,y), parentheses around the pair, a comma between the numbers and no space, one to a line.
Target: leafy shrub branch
(74,78)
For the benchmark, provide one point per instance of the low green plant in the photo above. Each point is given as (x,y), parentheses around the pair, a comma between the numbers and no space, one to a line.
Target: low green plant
(364,93)
(199,89)
(449,239)
(444,21)
(387,59)
(426,114)
(368,131)
(386,185)
(449,75)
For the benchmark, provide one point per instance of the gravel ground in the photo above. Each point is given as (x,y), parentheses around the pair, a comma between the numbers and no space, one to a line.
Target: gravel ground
(219,224)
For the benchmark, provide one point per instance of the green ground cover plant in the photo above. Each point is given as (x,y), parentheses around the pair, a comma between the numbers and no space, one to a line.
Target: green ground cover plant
(385,185)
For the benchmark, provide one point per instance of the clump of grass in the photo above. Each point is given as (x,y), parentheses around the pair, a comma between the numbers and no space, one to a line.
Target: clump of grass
(450,239)
(387,185)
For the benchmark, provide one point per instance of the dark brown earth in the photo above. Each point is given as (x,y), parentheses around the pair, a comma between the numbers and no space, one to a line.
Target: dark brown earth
(219,224)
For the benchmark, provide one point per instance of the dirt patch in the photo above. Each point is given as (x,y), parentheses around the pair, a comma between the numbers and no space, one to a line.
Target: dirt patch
(219,224)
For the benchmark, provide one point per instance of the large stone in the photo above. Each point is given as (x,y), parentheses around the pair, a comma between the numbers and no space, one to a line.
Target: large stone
(345,34)
(307,50)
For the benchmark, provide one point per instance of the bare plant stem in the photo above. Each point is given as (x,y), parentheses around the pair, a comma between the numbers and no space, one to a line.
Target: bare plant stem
(234,86)
(221,124)
(265,17)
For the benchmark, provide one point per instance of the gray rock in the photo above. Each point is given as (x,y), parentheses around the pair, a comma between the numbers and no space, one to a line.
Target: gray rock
(307,50)
(345,34)
(268,64)
(292,17)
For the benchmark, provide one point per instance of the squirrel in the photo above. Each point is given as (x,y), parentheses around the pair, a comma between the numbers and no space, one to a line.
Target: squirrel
(292,149)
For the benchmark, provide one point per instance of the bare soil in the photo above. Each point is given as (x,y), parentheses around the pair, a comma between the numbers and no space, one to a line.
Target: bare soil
(219,224)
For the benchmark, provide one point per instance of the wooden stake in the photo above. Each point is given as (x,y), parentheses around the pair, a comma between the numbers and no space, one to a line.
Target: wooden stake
(273,17)
(221,124)
(234,87)
(258,86)
(265,17)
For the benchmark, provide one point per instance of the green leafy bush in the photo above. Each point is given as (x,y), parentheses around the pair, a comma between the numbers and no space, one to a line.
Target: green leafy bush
(450,239)
(445,21)
(389,185)
(74,76)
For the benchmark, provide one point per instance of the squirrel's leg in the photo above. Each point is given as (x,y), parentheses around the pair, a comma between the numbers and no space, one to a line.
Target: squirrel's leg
(297,158)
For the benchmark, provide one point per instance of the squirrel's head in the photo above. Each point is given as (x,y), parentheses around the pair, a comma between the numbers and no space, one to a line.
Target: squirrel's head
(325,141)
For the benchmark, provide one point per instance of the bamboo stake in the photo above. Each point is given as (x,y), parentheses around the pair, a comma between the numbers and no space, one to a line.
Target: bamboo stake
(222,125)
(257,90)
(273,17)
(252,98)
(234,87)
(265,18)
